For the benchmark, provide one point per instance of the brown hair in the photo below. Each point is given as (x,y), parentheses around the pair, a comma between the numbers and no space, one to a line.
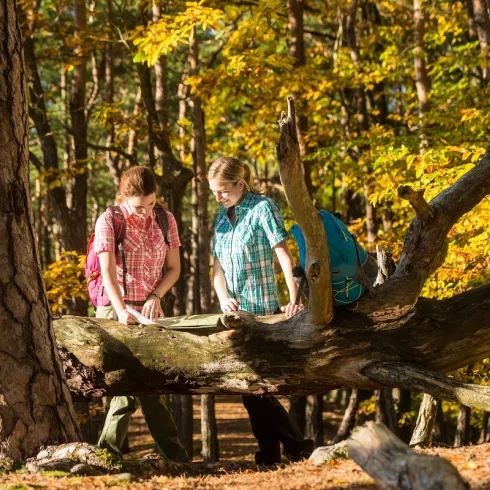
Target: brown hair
(230,169)
(136,181)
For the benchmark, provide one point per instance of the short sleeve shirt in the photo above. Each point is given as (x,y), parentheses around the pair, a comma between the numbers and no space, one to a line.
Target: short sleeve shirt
(144,248)
(245,251)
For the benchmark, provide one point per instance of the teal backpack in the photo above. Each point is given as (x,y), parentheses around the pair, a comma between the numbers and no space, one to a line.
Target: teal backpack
(347,257)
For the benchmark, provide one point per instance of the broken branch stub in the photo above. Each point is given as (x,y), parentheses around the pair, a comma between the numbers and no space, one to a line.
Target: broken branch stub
(317,268)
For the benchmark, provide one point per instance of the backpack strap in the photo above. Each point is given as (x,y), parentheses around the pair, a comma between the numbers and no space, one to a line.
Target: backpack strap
(360,274)
(119,227)
(162,219)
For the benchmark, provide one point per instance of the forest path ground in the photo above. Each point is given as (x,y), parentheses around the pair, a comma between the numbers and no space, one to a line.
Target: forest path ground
(237,470)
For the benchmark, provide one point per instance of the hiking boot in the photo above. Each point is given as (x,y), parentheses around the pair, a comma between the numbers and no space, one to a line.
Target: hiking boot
(269,457)
(302,451)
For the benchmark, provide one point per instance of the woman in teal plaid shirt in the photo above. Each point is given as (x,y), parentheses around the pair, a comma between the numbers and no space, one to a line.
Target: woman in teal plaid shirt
(248,230)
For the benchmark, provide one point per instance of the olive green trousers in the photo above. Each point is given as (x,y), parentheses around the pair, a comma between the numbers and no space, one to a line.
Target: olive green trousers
(157,415)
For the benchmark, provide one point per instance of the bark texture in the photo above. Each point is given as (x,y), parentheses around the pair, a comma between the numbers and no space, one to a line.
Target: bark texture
(422,434)
(209,430)
(317,266)
(35,406)
(394,466)
(225,354)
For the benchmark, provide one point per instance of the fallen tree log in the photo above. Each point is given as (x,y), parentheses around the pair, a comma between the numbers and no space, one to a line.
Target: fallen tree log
(392,338)
(394,466)
(247,354)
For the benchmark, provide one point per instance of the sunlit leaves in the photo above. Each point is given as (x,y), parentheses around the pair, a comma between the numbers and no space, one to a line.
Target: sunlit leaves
(65,280)
(163,37)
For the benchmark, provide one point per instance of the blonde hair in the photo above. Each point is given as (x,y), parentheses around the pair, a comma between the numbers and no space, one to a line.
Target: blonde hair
(230,169)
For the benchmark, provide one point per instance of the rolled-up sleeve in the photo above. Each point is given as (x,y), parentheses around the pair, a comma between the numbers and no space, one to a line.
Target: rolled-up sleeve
(104,234)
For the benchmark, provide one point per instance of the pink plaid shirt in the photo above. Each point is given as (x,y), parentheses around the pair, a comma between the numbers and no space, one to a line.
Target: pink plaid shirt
(144,247)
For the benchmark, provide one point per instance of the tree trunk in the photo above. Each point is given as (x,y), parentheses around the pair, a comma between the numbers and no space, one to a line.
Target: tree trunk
(297,410)
(461,437)
(113,161)
(39,115)
(485,433)
(35,407)
(200,220)
(482,24)
(209,430)
(439,432)
(404,402)
(385,409)
(78,209)
(362,120)
(297,51)
(422,434)
(314,419)
(186,428)
(394,466)
(133,135)
(349,418)
(422,81)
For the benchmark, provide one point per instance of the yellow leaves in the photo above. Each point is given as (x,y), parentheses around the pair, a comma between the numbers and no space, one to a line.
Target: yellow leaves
(163,37)
(65,280)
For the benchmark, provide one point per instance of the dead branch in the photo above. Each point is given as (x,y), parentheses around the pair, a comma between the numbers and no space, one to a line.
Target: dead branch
(304,212)
(416,199)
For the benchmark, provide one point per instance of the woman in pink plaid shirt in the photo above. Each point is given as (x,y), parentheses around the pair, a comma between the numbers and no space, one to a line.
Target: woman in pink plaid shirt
(144,248)
(145,252)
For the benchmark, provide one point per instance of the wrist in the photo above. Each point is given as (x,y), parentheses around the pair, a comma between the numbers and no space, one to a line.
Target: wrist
(154,295)
(120,311)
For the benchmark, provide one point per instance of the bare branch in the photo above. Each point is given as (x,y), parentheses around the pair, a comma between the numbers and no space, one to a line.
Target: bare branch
(416,199)
(304,212)
(36,162)
(413,378)
(115,149)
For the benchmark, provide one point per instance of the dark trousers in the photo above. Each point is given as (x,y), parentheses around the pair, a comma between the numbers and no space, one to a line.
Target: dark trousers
(272,424)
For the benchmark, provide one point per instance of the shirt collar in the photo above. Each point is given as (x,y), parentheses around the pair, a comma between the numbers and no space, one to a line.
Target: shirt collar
(246,201)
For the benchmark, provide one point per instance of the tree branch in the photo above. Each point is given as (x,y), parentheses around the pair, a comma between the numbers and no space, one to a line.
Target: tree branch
(317,266)
(413,378)
(416,199)
(35,161)
(115,149)
(425,244)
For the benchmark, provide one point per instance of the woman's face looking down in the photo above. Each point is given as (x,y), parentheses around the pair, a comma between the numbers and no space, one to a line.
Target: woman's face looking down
(142,206)
(227,193)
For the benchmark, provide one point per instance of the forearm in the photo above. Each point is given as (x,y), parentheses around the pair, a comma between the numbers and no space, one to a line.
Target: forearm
(168,280)
(109,279)
(286,262)
(291,285)
(219,284)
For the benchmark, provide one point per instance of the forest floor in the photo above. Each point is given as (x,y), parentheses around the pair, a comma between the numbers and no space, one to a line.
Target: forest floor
(237,469)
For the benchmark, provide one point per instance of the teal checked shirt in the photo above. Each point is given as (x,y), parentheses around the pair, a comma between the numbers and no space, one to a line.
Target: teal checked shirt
(245,251)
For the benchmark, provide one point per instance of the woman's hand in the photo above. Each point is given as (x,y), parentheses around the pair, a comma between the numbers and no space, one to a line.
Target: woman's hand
(291,309)
(229,304)
(125,317)
(152,308)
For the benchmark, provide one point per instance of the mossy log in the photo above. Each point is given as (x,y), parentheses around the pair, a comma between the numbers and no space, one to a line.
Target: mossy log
(241,354)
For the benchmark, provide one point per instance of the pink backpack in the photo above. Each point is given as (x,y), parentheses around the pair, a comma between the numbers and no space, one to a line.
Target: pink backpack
(96,290)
